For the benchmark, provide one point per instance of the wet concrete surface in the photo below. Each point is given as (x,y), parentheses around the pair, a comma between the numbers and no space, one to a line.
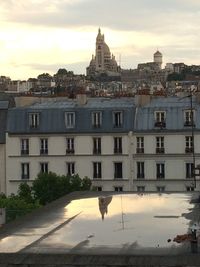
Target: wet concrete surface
(92,224)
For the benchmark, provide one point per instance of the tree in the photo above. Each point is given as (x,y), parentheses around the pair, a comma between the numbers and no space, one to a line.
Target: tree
(50,186)
(46,187)
(25,193)
(86,184)
(16,207)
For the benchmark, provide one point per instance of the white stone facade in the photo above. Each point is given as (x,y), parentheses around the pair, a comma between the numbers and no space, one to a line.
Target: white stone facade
(174,160)
(2,168)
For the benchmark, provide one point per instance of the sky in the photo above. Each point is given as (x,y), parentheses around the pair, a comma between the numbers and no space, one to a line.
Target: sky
(38,36)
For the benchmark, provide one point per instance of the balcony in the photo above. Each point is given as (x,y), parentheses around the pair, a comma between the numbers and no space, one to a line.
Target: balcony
(160,150)
(96,151)
(43,151)
(160,124)
(96,126)
(189,124)
(140,150)
(189,150)
(160,176)
(25,176)
(140,176)
(25,152)
(117,150)
(69,151)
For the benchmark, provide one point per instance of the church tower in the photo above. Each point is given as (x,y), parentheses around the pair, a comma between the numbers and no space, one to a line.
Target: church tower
(158,59)
(102,62)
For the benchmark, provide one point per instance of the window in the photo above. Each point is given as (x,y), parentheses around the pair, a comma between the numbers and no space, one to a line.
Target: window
(43,146)
(70,168)
(160,119)
(99,188)
(140,145)
(190,188)
(96,119)
(118,188)
(160,145)
(140,188)
(189,146)
(25,171)
(70,145)
(97,145)
(189,117)
(140,170)
(69,119)
(24,146)
(34,120)
(117,145)
(117,119)
(160,170)
(160,188)
(97,170)
(118,170)
(189,170)
(44,167)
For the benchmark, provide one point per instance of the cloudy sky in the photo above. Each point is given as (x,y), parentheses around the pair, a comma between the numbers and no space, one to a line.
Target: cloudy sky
(39,36)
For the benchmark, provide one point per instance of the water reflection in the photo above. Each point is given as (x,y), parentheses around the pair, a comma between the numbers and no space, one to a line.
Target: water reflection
(133,223)
(103,205)
(150,221)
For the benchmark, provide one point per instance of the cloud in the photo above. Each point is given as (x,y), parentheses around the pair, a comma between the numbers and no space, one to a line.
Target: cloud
(126,15)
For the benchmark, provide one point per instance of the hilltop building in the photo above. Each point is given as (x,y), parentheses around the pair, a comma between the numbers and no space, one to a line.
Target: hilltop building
(103,62)
(156,65)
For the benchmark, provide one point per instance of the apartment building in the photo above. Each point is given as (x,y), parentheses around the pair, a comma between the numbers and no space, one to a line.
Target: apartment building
(128,144)
(71,137)
(4,104)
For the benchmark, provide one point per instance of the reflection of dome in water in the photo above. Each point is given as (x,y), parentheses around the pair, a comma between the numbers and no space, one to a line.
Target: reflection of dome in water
(103,205)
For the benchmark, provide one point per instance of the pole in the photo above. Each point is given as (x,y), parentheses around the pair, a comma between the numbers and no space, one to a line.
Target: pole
(193,146)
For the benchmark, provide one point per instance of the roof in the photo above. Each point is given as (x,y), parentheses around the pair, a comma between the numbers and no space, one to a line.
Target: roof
(93,103)
(136,119)
(73,225)
(4,104)
(175,114)
(157,53)
(52,116)
(3,120)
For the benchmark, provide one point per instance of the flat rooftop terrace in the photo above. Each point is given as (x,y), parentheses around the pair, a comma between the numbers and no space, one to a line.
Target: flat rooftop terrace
(122,228)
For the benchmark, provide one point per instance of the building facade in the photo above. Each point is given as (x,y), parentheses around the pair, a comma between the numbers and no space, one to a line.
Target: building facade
(4,105)
(129,144)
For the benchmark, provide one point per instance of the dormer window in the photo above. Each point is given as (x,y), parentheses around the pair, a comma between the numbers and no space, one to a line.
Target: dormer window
(96,119)
(117,119)
(69,119)
(189,117)
(160,117)
(34,120)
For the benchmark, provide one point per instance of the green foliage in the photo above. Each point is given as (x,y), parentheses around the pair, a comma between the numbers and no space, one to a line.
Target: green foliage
(176,77)
(16,207)
(86,184)
(64,72)
(50,186)
(25,193)
(46,188)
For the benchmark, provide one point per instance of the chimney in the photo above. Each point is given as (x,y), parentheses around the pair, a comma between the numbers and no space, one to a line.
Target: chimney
(142,100)
(81,99)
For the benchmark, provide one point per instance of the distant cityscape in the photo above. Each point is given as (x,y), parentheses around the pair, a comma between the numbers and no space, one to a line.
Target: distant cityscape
(104,77)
